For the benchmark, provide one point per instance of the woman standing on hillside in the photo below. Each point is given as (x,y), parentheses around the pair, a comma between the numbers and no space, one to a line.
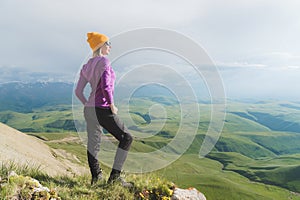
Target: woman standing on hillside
(99,108)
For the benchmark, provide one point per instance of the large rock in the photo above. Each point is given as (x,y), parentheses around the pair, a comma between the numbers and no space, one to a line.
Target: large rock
(190,194)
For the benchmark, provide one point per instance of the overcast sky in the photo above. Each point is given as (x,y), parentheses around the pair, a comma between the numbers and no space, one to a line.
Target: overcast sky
(255,43)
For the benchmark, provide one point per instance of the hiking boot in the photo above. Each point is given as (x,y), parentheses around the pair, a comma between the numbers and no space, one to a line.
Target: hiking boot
(116,178)
(97,178)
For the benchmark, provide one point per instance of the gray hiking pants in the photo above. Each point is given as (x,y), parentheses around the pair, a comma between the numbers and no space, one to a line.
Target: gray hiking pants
(96,118)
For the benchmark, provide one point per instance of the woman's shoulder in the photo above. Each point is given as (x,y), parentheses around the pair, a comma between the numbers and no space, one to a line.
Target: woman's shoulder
(105,60)
(97,62)
(105,63)
(100,61)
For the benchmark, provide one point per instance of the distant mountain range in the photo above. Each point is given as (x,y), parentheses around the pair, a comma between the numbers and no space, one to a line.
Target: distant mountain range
(24,97)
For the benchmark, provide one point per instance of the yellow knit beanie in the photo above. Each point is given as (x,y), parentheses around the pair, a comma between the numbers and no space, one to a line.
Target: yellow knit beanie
(96,40)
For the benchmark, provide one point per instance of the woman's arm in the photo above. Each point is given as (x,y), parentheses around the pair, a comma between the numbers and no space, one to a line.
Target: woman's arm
(106,86)
(107,89)
(79,89)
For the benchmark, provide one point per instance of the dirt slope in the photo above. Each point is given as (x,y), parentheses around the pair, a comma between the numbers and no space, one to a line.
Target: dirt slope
(23,149)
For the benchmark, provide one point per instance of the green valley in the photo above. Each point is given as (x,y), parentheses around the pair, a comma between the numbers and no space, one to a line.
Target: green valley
(256,157)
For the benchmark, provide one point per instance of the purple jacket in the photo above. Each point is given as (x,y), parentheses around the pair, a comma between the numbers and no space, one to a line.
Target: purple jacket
(99,73)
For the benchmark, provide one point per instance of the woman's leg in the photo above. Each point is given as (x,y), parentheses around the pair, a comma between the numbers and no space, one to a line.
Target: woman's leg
(94,131)
(116,127)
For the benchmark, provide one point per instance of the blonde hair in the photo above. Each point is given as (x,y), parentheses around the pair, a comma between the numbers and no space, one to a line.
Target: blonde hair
(97,52)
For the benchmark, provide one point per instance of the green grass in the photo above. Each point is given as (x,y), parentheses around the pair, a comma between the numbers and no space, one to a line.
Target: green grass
(188,171)
(271,115)
(242,145)
(41,120)
(279,143)
(54,136)
(283,171)
(78,187)
(236,123)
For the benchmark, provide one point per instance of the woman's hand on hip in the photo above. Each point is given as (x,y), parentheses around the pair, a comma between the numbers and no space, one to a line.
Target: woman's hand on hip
(114,109)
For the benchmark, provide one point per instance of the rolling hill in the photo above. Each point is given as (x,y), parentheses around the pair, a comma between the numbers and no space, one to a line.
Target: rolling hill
(19,148)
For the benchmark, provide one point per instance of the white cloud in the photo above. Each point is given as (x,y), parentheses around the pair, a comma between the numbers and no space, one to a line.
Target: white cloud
(268,61)
(249,38)
(291,68)
(12,74)
(277,60)
(237,30)
(52,34)
(223,65)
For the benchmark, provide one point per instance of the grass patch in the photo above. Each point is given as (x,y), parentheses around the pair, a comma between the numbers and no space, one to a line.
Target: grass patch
(147,186)
(281,171)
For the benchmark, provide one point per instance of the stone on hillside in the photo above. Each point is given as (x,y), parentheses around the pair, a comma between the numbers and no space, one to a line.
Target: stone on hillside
(12,173)
(29,188)
(191,194)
